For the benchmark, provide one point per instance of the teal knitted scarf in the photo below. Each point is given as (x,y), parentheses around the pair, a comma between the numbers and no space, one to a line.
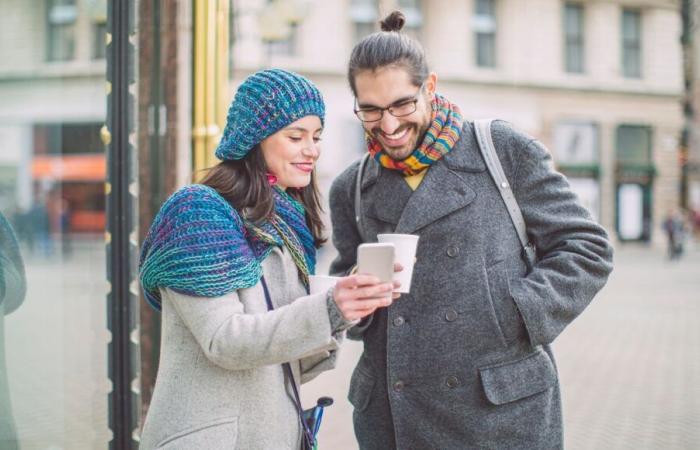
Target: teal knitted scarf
(199,245)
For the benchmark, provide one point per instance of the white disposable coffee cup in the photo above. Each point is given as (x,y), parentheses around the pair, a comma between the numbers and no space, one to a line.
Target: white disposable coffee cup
(405,246)
(321,283)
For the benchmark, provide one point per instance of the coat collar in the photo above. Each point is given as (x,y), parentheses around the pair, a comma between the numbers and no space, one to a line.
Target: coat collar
(443,190)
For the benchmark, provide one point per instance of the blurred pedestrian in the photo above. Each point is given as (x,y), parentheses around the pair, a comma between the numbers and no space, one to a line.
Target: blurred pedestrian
(13,287)
(40,225)
(228,263)
(675,228)
(464,359)
(64,216)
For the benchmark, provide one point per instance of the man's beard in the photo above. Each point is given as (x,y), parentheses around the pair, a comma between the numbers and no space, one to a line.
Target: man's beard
(404,151)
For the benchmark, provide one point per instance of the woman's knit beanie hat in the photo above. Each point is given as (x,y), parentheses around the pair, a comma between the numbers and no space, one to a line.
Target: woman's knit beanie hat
(266,102)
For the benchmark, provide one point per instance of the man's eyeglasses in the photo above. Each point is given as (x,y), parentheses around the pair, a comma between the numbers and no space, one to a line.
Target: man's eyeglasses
(398,109)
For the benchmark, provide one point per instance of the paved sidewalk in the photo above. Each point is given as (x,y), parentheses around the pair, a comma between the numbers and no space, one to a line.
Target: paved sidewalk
(629,366)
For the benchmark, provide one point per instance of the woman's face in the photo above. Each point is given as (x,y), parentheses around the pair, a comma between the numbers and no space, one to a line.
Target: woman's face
(291,153)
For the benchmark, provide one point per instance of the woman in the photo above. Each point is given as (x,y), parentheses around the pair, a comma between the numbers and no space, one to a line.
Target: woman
(255,218)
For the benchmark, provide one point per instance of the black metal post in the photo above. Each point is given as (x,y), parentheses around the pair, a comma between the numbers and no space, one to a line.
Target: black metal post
(121,202)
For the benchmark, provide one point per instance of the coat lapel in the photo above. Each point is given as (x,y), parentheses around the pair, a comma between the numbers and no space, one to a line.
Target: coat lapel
(390,193)
(440,193)
(444,188)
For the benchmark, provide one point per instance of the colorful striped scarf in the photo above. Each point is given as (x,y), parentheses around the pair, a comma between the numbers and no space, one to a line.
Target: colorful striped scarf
(440,138)
(199,245)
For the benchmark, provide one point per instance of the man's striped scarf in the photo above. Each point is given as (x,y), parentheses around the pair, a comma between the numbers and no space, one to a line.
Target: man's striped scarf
(440,138)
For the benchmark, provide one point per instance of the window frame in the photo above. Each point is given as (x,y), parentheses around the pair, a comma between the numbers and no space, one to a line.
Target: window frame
(574,42)
(485,27)
(631,46)
(58,29)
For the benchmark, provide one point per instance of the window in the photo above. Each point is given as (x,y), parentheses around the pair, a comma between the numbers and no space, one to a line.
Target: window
(99,48)
(97,11)
(67,138)
(364,16)
(576,144)
(414,17)
(634,145)
(285,47)
(631,43)
(277,30)
(484,24)
(573,38)
(61,18)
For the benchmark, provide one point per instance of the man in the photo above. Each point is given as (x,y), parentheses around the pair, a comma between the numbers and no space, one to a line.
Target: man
(463,360)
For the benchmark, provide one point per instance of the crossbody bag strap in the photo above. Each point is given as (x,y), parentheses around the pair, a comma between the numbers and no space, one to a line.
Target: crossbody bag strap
(289,374)
(358,196)
(488,151)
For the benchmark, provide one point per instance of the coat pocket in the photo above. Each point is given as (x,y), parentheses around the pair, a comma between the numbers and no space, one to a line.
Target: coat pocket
(515,380)
(219,433)
(361,387)
(509,321)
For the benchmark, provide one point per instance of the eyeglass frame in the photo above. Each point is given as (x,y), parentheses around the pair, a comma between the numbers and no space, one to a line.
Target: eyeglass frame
(414,100)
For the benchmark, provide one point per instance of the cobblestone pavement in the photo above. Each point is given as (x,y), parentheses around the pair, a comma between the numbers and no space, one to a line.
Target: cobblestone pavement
(629,365)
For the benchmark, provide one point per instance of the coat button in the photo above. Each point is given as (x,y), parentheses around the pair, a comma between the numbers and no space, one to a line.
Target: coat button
(398,386)
(451,315)
(452,381)
(452,251)
(398,321)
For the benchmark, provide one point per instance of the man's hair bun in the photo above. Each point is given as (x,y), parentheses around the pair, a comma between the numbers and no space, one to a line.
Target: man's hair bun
(393,22)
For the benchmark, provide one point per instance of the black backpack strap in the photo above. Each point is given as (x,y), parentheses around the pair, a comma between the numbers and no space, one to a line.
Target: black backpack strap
(308,436)
(358,196)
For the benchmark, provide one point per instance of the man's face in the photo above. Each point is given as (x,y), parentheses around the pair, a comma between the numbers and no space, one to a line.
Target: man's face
(389,86)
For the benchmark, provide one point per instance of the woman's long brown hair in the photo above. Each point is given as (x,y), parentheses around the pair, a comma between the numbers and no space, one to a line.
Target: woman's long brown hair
(243,183)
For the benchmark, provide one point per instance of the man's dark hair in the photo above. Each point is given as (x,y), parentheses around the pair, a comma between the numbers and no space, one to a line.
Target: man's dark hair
(388,47)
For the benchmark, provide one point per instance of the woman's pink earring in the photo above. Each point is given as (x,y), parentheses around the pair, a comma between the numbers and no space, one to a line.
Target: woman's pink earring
(271,179)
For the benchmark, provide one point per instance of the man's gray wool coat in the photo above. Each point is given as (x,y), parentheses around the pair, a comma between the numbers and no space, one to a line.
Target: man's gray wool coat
(463,361)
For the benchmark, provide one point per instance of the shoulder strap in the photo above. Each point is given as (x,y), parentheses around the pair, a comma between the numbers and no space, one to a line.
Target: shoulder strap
(488,151)
(358,196)
(290,375)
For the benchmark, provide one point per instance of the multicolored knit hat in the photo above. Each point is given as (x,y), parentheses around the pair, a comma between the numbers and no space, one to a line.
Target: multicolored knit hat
(266,102)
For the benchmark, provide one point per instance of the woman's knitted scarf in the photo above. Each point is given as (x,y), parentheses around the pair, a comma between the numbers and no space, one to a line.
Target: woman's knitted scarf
(440,138)
(199,245)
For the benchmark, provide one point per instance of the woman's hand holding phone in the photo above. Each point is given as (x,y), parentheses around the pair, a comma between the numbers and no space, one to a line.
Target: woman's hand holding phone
(359,295)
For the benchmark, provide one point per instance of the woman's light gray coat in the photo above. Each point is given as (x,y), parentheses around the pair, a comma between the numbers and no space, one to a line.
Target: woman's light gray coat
(220,383)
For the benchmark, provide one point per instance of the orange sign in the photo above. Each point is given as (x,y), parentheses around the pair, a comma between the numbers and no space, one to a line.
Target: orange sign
(91,167)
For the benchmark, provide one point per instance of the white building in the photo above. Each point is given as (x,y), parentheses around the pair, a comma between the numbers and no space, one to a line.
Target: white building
(599,82)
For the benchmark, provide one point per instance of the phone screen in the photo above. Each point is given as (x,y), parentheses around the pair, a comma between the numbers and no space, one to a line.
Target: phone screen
(376,259)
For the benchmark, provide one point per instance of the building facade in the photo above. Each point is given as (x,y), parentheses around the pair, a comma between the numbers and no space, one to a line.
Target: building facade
(598,82)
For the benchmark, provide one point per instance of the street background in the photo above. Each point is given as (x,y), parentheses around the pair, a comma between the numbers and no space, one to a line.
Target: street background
(608,86)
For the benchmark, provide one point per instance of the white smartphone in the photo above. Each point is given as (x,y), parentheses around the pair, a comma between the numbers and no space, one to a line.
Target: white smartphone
(376,259)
